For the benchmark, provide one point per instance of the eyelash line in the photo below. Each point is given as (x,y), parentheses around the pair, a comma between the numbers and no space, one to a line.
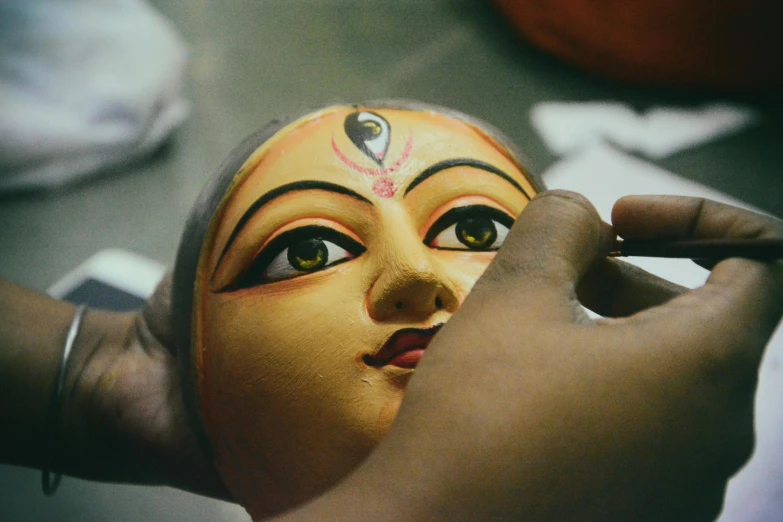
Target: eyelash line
(351,234)
(453,215)
(277,245)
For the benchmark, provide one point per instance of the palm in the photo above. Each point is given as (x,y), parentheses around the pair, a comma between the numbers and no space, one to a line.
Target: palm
(140,429)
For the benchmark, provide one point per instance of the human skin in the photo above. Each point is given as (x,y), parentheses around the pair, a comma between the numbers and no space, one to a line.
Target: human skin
(639,416)
(293,394)
(660,391)
(522,408)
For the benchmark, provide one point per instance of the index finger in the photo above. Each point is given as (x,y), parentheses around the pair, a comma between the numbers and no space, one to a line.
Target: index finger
(749,294)
(679,217)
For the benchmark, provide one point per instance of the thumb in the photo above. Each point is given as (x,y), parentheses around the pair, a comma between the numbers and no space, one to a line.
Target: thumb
(556,240)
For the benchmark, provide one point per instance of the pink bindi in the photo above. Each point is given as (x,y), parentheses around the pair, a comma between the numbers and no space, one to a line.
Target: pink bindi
(384,188)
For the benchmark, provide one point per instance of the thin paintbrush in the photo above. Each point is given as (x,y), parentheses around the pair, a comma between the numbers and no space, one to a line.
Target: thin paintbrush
(707,249)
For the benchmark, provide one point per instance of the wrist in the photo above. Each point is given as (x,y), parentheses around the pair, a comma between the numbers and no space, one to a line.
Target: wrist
(33,330)
(82,442)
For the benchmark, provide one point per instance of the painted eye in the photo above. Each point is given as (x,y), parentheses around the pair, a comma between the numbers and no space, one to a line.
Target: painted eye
(303,257)
(476,227)
(298,252)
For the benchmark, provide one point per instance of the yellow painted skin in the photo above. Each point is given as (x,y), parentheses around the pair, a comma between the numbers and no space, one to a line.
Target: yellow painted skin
(287,400)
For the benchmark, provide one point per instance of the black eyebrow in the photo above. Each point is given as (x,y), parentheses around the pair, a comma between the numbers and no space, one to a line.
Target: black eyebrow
(463,162)
(276,193)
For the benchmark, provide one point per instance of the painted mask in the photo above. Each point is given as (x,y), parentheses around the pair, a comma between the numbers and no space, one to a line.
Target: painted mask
(313,274)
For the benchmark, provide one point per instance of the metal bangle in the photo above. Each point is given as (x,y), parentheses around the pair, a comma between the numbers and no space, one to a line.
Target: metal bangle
(49,480)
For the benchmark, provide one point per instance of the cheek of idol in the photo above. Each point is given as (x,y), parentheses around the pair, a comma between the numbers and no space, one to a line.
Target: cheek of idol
(464,201)
(463,268)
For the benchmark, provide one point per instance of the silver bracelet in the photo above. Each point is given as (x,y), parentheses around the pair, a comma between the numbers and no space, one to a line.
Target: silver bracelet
(50,481)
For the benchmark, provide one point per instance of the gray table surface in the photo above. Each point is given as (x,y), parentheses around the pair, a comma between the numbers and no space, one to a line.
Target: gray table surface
(251,61)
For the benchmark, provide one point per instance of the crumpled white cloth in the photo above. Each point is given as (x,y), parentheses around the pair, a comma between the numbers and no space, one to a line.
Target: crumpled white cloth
(84,85)
(567,127)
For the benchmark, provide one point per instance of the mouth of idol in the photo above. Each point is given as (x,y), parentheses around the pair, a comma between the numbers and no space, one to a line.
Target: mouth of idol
(404,348)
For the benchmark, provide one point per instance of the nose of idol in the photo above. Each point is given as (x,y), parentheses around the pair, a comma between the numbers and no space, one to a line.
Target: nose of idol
(343,235)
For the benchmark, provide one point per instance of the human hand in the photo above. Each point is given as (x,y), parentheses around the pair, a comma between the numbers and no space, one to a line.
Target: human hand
(525,408)
(123,415)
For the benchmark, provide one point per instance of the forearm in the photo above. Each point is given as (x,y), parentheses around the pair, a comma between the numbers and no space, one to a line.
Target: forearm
(33,328)
(33,331)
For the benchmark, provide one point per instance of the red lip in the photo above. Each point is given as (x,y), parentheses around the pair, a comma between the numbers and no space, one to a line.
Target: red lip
(404,348)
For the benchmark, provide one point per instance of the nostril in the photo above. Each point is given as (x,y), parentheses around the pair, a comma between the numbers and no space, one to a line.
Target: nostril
(438,303)
(398,305)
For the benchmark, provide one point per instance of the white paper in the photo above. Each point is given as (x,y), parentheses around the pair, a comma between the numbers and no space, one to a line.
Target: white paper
(604,175)
(567,127)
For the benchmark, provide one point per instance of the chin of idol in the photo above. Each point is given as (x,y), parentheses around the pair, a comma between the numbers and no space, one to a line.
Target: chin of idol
(339,246)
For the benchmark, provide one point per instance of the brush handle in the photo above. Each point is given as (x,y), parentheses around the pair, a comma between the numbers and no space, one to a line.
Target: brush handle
(709,249)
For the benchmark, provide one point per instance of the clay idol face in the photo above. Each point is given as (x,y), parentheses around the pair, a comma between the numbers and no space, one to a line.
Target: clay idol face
(353,236)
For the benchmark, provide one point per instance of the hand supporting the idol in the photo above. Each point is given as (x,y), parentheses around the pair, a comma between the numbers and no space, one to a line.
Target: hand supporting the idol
(121,414)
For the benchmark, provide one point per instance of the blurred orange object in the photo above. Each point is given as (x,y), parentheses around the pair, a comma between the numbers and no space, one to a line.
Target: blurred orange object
(728,45)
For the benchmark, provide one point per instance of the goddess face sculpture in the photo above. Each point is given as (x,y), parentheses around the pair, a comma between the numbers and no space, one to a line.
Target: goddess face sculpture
(317,275)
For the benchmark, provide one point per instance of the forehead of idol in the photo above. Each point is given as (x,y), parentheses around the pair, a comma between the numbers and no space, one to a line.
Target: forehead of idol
(327,148)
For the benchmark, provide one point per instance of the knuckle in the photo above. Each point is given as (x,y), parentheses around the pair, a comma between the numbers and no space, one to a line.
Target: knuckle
(739,441)
(732,355)
(760,225)
(731,363)
(708,507)
(744,446)
(740,222)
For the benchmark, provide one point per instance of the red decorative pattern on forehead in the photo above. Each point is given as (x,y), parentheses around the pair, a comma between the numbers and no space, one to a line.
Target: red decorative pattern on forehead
(375,172)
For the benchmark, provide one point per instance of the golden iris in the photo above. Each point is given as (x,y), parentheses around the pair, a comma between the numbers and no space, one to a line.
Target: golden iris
(477,233)
(308,255)
(373,127)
